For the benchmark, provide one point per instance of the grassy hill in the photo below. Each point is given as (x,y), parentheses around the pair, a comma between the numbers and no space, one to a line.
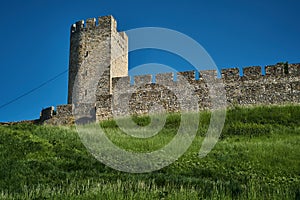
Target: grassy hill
(257,157)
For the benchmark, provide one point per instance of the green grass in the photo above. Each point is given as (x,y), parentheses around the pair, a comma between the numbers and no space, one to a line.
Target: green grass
(257,157)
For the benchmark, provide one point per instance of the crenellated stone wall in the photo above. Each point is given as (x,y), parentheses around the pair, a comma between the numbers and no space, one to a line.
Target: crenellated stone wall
(277,86)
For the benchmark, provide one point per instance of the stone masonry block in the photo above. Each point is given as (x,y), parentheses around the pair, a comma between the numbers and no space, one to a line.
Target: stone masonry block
(230,74)
(142,80)
(252,73)
(186,76)
(91,23)
(207,75)
(274,70)
(120,84)
(164,79)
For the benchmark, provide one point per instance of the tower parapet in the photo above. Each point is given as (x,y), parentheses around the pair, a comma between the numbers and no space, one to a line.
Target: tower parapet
(104,23)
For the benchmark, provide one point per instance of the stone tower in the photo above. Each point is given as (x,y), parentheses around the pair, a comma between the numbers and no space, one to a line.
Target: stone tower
(96,46)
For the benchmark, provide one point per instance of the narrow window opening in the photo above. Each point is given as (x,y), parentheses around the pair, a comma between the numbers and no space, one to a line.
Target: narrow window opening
(85,92)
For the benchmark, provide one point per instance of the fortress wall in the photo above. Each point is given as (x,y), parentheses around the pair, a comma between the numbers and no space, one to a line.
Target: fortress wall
(99,52)
(276,87)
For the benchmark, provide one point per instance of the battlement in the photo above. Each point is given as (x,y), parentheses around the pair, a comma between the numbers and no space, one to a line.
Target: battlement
(187,75)
(208,75)
(227,74)
(106,22)
(164,79)
(294,69)
(274,70)
(47,113)
(252,73)
(255,72)
(143,79)
(230,74)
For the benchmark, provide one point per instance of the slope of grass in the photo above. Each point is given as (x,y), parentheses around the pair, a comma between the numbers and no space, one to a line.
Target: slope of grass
(257,157)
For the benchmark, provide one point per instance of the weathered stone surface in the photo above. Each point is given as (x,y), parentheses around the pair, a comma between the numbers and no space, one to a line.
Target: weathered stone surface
(64,110)
(62,116)
(231,74)
(47,113)
(252,73)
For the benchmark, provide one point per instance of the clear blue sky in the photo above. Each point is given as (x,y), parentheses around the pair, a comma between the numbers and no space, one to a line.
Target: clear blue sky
(35,38)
